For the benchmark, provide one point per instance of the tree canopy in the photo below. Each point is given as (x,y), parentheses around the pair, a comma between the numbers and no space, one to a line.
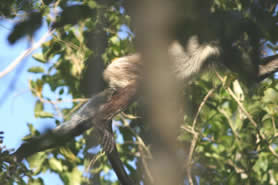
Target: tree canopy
(228,136)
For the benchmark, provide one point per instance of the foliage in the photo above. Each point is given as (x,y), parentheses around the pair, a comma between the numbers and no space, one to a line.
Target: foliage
(11,172)
(231,147)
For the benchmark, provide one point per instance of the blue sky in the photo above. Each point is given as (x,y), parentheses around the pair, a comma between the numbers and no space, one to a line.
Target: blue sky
(16,105)
(16,101)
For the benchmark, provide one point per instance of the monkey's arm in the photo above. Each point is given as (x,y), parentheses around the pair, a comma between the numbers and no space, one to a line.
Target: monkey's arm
(95,112)
(79,122)
(268,67)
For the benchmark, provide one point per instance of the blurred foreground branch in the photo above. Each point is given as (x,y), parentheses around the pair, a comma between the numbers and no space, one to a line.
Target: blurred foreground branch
(25,54)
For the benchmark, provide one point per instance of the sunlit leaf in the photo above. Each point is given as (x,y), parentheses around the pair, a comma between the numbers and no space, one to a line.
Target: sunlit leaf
(36,69)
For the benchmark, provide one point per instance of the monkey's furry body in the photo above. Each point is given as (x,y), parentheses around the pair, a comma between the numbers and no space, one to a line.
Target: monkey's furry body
(186,62)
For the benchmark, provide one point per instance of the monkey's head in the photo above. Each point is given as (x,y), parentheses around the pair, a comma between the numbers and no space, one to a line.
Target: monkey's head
(124,71)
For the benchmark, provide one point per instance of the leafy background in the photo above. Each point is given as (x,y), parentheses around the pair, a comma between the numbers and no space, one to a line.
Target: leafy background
(236,137)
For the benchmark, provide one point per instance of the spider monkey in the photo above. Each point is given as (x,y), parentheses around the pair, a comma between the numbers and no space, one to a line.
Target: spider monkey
(235,46)
(187,62)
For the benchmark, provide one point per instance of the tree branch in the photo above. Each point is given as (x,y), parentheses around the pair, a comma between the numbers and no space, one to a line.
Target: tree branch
(25,54)
(269,67)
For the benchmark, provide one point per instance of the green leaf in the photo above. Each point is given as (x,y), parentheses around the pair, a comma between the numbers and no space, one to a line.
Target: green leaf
(270,95)
(31,128)
(36,161)
(36,69)
(37,181)
(40,113)
(39,57)
(114,39)
(38,106)
(55,164)
(69,155)
(43,114)
(73,177)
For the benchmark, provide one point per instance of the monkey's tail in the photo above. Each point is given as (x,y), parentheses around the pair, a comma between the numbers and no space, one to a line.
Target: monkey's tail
(117,165)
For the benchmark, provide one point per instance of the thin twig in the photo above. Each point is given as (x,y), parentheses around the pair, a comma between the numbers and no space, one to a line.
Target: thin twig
(93,161)
(145,165)
(188,129)
(189,160)
(54,103)
(195,137)
(138,138)
(273,124)
(63,101)
(201,106)
(143,149)
(229,121)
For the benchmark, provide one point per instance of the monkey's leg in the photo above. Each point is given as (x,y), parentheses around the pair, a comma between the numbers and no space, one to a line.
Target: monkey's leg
(109,146)
(106,136)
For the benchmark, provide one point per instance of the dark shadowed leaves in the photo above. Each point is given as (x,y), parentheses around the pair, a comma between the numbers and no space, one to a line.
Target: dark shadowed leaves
(47,2)
(26,27)
(1,136)
(73,14)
